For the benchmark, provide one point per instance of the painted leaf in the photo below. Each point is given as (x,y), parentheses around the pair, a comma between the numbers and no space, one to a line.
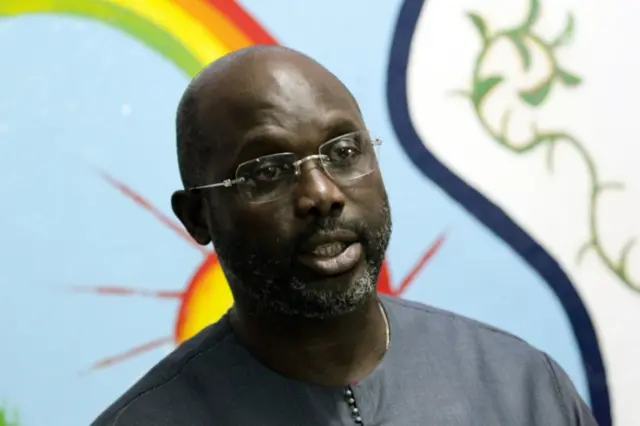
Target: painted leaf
(479,23)
(536,95)
(567,33)
(483,87)
(568,79)
(523,51)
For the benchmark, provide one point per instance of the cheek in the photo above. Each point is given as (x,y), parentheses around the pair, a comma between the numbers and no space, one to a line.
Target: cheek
(368,195)
(259,225)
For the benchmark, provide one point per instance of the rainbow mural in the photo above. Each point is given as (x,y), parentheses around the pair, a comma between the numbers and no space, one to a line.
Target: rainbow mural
(190,33)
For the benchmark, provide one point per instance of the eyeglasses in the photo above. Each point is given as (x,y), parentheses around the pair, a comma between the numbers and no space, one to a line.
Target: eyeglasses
(264,179)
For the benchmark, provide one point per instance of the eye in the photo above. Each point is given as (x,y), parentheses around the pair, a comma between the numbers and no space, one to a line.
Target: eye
(270,172)
(345,150)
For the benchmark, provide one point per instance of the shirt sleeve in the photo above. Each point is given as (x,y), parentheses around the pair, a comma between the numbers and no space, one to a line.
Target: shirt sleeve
(577,412)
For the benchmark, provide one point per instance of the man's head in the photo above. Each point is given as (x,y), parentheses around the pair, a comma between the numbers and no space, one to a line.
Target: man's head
(296,238)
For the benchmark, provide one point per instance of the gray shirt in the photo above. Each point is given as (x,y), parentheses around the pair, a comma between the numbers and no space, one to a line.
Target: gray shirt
(441,369)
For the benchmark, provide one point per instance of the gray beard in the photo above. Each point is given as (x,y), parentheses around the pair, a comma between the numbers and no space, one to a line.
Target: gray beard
(300,301)
(266,287)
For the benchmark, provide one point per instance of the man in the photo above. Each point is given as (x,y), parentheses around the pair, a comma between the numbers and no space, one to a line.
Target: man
(281,174)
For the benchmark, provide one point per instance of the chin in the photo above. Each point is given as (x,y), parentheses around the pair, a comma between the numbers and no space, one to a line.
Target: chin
(336,295)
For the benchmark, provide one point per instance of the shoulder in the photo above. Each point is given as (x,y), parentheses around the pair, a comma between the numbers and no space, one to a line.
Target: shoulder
(418,319)
(469,351)
(155,397)
(460,338)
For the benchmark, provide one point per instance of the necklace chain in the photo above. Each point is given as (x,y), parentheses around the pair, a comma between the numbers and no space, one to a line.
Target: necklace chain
(348,392)
(387,330)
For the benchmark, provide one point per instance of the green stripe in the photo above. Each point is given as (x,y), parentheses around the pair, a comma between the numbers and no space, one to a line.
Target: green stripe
(154,37)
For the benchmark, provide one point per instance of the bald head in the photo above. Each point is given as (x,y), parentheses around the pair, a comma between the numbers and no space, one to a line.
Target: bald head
(234,93)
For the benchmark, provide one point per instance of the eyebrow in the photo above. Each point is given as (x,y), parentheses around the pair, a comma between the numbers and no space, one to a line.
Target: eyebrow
(262,141)
(340,125)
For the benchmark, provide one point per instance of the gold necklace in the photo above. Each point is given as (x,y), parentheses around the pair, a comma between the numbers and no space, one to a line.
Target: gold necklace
(386,326)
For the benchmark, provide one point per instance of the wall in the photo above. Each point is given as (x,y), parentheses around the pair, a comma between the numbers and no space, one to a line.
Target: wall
(508,154)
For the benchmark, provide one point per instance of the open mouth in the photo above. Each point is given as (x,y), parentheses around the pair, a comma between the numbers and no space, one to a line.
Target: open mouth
(333,258)
(329,249)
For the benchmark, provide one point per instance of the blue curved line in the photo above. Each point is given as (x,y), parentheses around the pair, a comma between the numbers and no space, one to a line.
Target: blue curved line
(489,214)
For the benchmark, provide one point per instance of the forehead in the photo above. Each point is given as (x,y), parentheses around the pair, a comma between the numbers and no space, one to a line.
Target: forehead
(280,102)
(290,95)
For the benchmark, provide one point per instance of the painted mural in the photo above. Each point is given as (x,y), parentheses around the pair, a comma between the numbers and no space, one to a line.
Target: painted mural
(506,154)
(8,417)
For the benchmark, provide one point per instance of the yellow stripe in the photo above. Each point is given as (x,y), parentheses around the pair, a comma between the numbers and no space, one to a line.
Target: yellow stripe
(203,44)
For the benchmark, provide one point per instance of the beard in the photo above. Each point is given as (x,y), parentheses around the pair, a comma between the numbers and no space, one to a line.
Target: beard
(267,282)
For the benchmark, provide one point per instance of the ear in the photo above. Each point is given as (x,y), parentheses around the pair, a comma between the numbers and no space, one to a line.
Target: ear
(191,209)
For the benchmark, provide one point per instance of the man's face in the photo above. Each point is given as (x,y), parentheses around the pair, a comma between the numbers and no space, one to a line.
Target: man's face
(316,249)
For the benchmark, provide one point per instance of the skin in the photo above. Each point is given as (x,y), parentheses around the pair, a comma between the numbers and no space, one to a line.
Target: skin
(258,101)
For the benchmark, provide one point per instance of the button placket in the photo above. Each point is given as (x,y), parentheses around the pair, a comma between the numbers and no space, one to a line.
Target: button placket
(350,399)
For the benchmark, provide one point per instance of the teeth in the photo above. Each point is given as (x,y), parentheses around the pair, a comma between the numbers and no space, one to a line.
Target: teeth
(329,250)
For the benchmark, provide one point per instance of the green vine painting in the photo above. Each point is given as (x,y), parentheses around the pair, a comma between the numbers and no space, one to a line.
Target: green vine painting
(520,37)
(8,417)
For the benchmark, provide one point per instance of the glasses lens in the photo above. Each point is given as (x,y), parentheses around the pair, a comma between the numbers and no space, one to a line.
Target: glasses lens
(349,156)
(266,178)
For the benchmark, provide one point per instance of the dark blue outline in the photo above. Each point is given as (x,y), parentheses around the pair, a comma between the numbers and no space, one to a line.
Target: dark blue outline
(489,214)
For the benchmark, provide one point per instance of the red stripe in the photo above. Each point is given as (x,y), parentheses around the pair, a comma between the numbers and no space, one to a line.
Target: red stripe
(421,263)
(243,20)
(142,202)
(106,362)
(126,291)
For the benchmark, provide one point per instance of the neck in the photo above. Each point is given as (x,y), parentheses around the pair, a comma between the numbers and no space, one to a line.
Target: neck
(332,352)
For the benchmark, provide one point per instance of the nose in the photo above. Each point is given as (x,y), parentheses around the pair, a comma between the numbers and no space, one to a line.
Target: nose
(317,194)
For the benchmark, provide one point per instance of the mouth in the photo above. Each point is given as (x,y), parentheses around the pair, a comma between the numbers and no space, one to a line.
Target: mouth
(329,249)
(332,257)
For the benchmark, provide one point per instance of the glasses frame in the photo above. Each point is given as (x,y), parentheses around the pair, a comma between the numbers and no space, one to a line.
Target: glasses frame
(228,183)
